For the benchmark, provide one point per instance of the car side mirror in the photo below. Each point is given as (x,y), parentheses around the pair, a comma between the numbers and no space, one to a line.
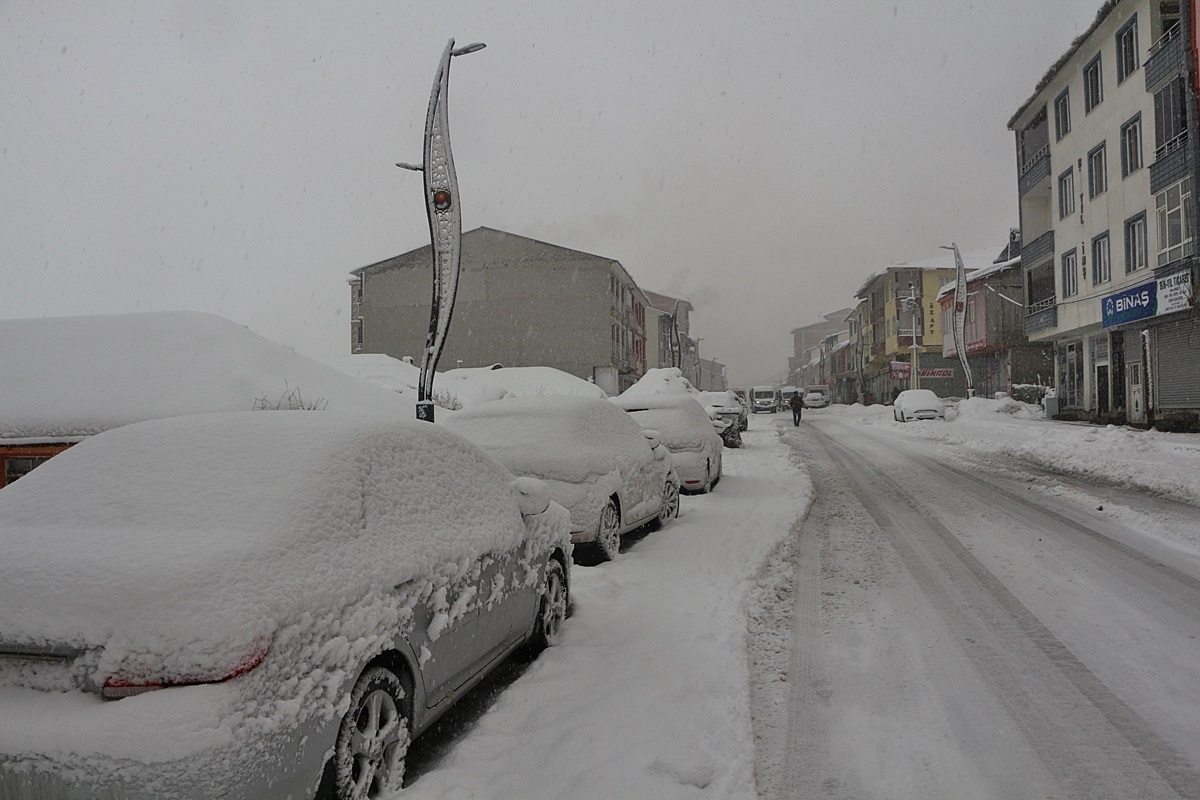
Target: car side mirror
(533,496)
(653,437)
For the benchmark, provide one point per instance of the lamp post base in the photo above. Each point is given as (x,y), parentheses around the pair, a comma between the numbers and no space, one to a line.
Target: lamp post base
(425,410)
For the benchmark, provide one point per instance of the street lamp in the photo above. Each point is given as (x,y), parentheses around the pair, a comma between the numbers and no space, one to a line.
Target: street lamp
(445,222)
(910,304)
(960,315)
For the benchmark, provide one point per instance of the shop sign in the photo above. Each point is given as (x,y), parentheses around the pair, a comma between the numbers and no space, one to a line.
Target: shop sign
(901,370)
(936,372)
(1137,302)
(1175,292)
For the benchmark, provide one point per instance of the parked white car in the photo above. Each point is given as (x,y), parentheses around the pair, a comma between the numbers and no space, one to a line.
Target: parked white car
(918,404)
(259,604)
(686,430)
(593,458)
(726,404)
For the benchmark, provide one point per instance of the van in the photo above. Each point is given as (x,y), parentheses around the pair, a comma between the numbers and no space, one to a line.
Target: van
(764,399)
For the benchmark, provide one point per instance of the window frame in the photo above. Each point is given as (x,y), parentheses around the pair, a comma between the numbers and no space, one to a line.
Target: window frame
(1101,259)
(1127,50)
(1132,125)
(1097,161)
(1136,245)
(1170,250)
(1068,273)
(1093,95)
(1062,121)
(1066,199)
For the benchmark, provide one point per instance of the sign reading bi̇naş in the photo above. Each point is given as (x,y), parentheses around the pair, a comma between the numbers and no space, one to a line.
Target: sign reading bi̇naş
(1151,299)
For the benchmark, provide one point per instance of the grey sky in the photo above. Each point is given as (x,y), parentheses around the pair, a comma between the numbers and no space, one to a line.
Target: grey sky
(760,158)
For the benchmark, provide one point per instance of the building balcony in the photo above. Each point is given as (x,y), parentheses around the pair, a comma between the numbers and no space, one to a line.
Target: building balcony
(1035,170)
(1172,163)
(1039,250)
(1041,316)
(1168,58)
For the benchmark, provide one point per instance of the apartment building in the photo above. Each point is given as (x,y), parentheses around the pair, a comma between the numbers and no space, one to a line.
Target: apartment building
(1106,156)
(897,328)
(521,302)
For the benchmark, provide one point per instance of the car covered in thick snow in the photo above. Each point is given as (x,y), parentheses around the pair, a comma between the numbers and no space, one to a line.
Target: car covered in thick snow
(686,429)
(595,461)
(918,404)
(726,405)
(259,604)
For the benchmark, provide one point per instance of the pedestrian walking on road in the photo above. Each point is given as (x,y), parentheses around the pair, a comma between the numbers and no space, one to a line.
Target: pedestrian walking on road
(797,405)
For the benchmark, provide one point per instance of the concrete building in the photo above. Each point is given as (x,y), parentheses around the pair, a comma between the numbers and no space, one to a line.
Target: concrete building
(998,352)
(806,337)
(521,302)
(899,323)
(1106,157)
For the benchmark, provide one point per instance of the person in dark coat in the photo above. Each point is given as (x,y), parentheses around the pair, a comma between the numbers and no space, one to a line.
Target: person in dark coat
(797,405)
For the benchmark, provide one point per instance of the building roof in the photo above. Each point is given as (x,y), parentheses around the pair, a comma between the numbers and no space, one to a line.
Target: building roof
(665,302)
(470,236)
(1101,15)
(72,377)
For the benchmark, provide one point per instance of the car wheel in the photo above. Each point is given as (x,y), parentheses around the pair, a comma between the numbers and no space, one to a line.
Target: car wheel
(608,541)
(373,738)
(670,504)
(552,610)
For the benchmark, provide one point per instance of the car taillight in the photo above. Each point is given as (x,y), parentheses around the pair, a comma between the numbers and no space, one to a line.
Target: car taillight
(119,686)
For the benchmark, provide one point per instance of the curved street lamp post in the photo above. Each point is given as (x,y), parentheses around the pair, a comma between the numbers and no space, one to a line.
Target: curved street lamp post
(445,223)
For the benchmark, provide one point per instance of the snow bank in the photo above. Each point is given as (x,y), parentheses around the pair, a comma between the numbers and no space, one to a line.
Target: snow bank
(527,381)
(453,391)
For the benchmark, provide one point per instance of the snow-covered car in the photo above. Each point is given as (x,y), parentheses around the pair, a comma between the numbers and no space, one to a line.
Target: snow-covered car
(918,404)
(259,604)
(816,396)
(686,430)
(726,404)
(594,460)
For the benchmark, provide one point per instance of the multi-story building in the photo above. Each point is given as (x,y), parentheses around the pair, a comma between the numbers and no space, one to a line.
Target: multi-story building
(668,329)
(807,337)
(520,302)
(1106,156)
(998,352)
(900,330)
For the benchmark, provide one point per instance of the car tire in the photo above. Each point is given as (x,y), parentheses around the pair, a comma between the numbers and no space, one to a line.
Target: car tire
(708,478)
(552,609)
(608,538)
(670,505)
(373,738)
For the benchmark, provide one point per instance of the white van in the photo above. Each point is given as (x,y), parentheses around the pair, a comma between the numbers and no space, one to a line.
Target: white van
(764,399)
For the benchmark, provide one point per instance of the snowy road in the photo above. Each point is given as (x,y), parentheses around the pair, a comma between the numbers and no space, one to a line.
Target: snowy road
(967,629)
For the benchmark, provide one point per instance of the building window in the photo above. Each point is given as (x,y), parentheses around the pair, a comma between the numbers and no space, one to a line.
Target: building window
(1062,115)
(1070,277)
(1131,146)
(14,467)
(1127,50)
(1101,260)
(1097,170)
(1174,211)
(1066,194)
(1093,85)
(1135,243)
(1170,117)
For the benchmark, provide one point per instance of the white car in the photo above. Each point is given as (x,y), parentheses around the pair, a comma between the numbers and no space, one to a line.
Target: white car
(259,605)
(918,404)
(726,404)
(686,430)
(593,458)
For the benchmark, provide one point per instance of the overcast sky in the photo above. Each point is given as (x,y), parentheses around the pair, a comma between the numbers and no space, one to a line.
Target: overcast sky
(761,159)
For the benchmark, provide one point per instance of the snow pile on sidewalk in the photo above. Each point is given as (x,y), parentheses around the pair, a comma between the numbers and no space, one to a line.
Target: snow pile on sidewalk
(647,695)
(1162,464)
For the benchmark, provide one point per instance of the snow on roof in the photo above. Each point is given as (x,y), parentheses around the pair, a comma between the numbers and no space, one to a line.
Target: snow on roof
(980,274)
(525,381)
(400,376)
(553,437)
(661,380)
(70,377)
(314,507)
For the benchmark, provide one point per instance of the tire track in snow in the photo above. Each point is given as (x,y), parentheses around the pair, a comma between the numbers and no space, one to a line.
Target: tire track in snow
(1087,738)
